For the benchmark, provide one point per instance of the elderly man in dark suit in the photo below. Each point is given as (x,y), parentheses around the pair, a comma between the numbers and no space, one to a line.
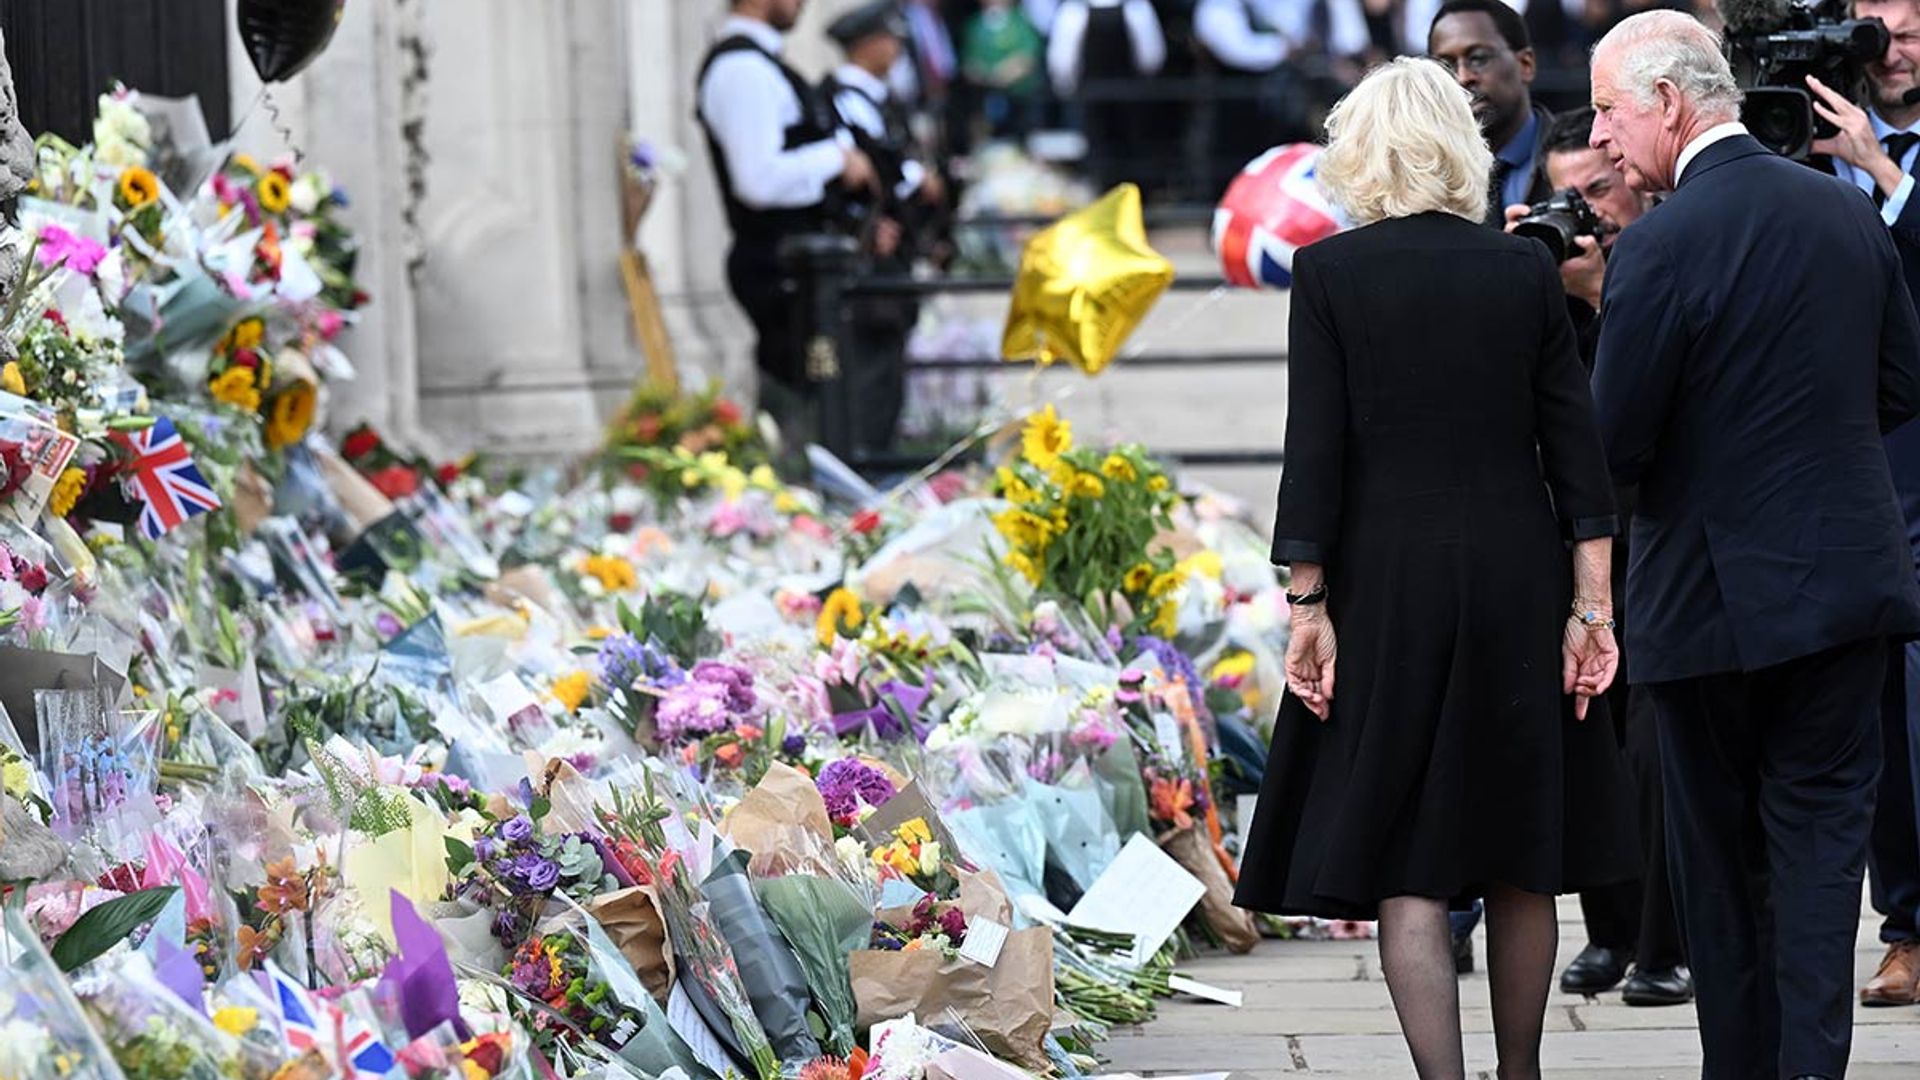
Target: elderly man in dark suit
(1758,339)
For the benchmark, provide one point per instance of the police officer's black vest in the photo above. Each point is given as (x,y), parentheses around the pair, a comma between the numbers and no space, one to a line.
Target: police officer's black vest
(1106,52)
(817,123)
(890,150)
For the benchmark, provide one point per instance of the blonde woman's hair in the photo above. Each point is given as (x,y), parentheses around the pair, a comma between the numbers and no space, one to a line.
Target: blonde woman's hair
(1404,142)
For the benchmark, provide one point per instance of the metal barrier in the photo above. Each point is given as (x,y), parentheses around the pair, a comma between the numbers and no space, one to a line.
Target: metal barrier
(828,271)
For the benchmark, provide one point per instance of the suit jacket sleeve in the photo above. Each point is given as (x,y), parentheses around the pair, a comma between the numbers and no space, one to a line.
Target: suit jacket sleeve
(1570,450)
(1307,527)
(1899,346)
(1643,346)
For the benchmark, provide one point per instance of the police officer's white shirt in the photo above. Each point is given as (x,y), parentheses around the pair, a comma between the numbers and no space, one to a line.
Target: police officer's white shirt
(1064,43)
(856,109)
(1347,33)
(750,105)
(1225,28)
(1040,13)
(1896,202)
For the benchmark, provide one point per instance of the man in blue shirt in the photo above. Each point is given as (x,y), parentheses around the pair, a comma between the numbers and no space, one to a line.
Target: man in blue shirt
(1876,151)
(1486,46)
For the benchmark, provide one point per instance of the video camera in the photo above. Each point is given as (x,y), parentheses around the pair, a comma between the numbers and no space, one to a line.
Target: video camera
(1775,44)
(1558,221)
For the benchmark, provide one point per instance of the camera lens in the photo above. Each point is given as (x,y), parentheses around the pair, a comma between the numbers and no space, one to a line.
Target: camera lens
(1555,228)
(1781,118)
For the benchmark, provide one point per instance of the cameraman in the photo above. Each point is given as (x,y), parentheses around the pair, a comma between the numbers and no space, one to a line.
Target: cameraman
(1635,922)
(1876,151)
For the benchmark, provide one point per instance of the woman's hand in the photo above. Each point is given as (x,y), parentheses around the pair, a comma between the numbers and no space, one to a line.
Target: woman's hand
(1589,659)
(1310,654)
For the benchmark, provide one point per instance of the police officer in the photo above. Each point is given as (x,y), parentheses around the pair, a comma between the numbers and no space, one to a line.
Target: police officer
(901,208)
(782,160)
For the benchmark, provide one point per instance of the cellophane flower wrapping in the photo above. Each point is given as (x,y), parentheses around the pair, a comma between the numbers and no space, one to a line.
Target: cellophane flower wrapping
(775,981)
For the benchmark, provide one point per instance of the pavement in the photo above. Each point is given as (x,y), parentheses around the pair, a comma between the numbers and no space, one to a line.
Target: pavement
(1321,1008)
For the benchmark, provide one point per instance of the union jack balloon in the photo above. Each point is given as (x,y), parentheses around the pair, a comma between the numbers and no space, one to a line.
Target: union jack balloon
(1272,209)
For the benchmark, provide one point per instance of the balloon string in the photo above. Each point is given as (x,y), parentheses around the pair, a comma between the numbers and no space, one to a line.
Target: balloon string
(275,121)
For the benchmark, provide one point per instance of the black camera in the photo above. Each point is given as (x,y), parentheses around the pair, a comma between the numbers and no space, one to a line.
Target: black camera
(1775,44)
(1560,220)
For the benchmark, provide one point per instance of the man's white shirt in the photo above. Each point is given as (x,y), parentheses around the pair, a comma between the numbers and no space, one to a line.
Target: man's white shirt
(749,105)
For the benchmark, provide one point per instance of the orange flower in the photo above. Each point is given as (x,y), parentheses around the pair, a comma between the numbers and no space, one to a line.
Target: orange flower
(1171,800)
(285,890)
(729,755)
(251,947)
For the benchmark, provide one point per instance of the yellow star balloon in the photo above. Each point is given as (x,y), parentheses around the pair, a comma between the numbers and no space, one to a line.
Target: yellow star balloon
(1085,283)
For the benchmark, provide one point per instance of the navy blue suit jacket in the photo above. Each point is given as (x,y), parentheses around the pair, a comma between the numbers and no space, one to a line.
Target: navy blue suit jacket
(1903,446)
(1757,340)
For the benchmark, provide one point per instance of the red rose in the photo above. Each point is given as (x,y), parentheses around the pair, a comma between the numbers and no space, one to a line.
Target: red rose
(485,1052)
(395,481)
(620,522)
(33,578)
(14,468)
(448,473)
(56,318)
(246,358)
(639,471)
(726,412)
(646,429)
(359,443)
(865,521)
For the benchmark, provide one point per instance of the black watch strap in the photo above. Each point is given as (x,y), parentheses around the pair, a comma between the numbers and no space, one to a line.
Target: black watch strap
(1315,595)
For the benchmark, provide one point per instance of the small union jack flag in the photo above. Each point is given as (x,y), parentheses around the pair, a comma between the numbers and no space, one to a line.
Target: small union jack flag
(298,1022)
(1274,208)
(362,1049)
(164,479)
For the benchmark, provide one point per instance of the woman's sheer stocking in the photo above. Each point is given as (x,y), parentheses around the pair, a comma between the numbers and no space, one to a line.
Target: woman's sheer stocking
(1416,954)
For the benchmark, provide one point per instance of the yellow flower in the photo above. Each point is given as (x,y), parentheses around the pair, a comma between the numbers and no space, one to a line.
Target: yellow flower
(1085,486)
(234,386)
(236,1020)
(1119,468)
(1138,579)
(763,478)
(246,161)
(290,415)
(1166,583)
(785,503)
(1157,484)
(12,381)
(600,633)
(1024,529)
(1012,488)
(1206,564)
(1237,665)
(67,491)
(571,689)
(841,613)
(689,478)
(470,1070)
(614,573)
(16,778)
(1025,565)
(275,193)
(929,858)
(1045,438)
(139,187)
(914,831)
(1166,622)
(733,482)
(249,333)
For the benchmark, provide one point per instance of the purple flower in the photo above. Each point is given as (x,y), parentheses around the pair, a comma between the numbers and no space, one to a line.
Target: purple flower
(1177,665)
(625,661)
(485,848)
(692,711)
(517,829)
(545,876)
(793,745)
(738,682)
(846,784)
(82,255)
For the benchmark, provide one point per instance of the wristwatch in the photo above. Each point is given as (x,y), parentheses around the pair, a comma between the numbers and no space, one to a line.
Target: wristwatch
(1594,620)
(1315,595)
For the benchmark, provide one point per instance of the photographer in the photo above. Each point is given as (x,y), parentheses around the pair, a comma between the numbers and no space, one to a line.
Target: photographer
(1632,923)
(1876,151)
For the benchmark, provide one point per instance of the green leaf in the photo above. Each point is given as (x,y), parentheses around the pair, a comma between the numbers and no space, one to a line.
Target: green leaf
(100,929)
(539,807)
(459,855)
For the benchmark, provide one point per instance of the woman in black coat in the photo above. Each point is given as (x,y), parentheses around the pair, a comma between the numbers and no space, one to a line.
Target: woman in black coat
(1446,507)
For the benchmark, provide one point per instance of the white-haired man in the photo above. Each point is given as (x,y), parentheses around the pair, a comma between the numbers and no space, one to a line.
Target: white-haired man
(1757,340)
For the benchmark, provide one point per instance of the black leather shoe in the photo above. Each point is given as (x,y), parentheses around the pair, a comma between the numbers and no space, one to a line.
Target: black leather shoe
(1594,971)
(1463,955)
(1671,986)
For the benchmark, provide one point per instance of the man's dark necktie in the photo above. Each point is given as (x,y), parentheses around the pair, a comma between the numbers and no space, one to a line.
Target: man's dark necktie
(1897,145)
(1497,192)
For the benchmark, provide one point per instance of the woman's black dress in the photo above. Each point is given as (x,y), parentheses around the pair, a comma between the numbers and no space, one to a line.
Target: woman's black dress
(1441,453)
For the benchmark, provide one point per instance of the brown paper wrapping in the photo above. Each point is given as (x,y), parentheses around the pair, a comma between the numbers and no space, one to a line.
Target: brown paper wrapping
(252,499)
(1009,1006)
(529,583)
(358,497)
(631,918)
(783,811)
(1234,926)
(981,896)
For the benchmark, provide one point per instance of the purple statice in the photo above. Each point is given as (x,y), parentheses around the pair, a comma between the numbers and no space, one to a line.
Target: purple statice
(1177,665)
(691,711)
(626,661)
(742,700)
(847,784)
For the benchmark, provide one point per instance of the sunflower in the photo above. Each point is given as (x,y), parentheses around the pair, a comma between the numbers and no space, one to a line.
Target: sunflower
(12,381)
(1012,488)
(840,614)
(246,162)
(1045,438)
(1138,579)
(570,690)
(276,194)
(290,415)
(1118,468)
(139,187)
(1166,623)
(234,386)
(248,334)
(1157,484)
(67,491)
(1085,485)
(1023,529)
(614,573)
(1024,565)
(1164,585)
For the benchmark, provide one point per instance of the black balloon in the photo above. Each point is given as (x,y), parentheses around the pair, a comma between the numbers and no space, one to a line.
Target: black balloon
(283,36)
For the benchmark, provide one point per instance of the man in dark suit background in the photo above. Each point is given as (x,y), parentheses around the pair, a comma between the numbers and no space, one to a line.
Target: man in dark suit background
(1876,152)
(1757,340)
(1485,44)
